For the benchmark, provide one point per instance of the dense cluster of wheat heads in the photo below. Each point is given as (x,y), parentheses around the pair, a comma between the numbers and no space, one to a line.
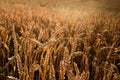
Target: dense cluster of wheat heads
(37,44)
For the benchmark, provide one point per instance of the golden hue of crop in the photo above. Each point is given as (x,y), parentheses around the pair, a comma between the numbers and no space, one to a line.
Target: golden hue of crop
(47,44)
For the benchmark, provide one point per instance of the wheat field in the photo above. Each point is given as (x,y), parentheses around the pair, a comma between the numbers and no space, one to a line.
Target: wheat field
(42,43)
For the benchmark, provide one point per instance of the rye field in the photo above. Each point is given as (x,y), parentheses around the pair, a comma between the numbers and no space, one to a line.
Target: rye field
(47,42)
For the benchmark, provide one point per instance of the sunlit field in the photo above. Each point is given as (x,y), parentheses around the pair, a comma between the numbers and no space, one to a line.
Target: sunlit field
(59,40)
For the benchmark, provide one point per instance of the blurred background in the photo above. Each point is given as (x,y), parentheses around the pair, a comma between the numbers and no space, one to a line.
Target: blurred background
(108,4)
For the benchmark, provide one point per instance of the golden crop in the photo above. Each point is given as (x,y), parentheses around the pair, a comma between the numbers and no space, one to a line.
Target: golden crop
(46,44)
